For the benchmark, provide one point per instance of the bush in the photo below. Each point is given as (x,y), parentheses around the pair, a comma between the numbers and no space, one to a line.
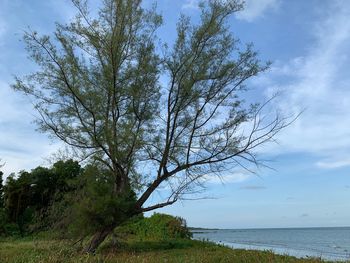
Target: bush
(6,227)
(93,204)
(158,226)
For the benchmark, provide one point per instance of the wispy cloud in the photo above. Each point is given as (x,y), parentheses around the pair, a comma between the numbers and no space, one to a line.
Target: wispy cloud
(254,9)
(21,147)
(253,187)
(191,4)
(319,83)
(235,177)
(333,164)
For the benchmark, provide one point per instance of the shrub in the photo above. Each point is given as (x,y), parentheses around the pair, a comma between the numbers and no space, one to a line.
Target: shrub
(158,226)
(93,204)
(6,227)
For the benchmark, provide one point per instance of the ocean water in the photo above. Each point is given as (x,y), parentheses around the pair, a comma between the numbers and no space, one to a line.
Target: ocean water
(328,243)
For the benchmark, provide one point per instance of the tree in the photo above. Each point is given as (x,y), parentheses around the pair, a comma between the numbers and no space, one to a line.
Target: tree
(28,197)
(92,204)
(6,227)
(1,191)
(1,187)
(3,214)
(48,187)
(98,90)
(17,195)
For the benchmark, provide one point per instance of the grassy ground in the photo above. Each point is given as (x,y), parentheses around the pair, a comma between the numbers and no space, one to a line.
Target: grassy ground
(49,251)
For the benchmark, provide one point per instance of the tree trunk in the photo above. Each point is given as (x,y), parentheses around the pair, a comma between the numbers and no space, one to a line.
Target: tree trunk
(97,239)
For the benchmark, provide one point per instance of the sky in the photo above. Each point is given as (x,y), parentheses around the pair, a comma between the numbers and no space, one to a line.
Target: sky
(308,45)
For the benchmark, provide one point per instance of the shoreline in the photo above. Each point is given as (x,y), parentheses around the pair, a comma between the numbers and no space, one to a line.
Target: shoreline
(193,229)
(328,243)
(284,251)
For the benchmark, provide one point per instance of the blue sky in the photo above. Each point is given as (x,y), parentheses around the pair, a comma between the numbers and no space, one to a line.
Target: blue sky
(308,43)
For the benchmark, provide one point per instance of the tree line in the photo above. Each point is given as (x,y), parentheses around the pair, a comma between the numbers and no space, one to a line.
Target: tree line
(52,199)
(26,198)
(72,200)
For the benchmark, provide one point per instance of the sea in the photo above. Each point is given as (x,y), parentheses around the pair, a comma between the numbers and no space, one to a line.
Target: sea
(329,243)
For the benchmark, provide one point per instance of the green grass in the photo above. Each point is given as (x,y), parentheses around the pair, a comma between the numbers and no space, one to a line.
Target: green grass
(46,250)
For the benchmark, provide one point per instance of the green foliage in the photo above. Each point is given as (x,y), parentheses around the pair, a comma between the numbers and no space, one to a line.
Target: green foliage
(6,227)
(94,204)
(28,197)
(9,229)
(158,226)
(17,195)
(50,186)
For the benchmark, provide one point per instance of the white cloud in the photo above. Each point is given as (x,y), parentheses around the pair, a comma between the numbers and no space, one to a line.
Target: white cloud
(253,187)
(21,147)
(234,177)
(320,84)
(254,9)
(191,4)
(333,164)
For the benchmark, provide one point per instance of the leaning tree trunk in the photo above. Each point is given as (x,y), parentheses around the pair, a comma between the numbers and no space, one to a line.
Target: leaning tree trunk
(98,238)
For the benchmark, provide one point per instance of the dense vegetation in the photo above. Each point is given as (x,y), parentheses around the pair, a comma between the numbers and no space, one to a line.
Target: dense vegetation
(159,238)
(158,226)
(26,199)
(66,198)
(31,202)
